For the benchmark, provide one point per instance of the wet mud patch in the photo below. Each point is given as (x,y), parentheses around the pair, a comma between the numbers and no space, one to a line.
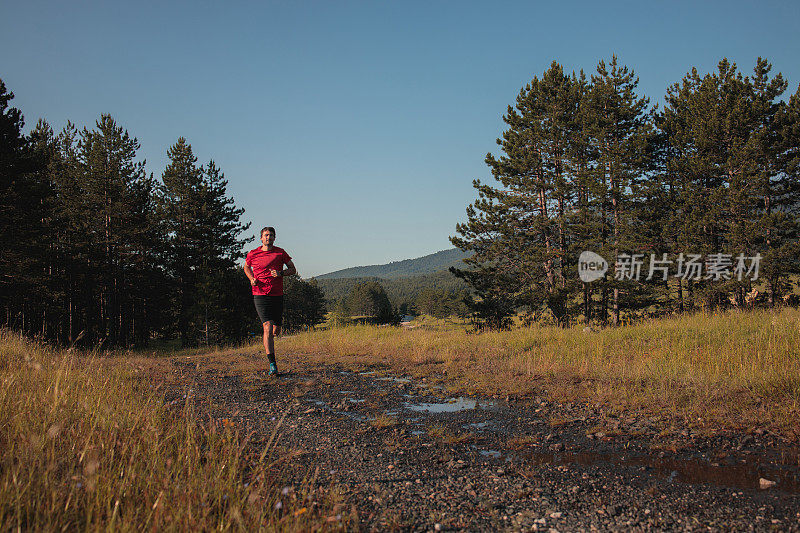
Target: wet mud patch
(746,474)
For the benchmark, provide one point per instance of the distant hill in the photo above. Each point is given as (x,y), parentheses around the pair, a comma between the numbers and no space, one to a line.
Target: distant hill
(400,290)
(403,280)
(427,264)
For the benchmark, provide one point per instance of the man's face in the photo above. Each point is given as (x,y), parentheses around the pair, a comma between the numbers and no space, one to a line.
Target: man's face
(267,238)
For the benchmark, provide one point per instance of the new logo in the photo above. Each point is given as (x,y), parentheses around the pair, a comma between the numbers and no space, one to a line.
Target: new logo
(591,266)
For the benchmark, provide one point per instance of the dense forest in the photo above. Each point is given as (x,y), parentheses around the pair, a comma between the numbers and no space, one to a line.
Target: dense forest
(94,251)
(695,195)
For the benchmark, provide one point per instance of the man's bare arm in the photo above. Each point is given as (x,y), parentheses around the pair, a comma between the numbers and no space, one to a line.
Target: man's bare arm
(290,269)
(249,273)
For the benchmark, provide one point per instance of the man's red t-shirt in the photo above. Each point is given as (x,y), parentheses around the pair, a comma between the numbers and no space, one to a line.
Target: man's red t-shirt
(262,262)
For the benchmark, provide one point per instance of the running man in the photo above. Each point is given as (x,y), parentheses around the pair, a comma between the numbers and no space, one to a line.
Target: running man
(264,268)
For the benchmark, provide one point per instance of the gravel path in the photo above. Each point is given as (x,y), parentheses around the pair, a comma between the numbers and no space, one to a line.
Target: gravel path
(406,455)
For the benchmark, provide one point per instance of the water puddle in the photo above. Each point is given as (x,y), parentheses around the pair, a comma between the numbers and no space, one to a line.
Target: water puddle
(453,405)
(395,379)
(480,426)
(490,454)
(744,475)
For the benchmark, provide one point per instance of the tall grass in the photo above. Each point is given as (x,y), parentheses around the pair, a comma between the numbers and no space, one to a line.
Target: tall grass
(83,448)
(737,368)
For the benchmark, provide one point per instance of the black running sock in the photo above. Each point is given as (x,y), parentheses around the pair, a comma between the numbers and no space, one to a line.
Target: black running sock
(271,357)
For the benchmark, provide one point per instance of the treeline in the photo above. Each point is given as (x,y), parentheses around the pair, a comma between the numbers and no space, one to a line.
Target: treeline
(587,165)
(403,292)
(95,251)
(369,302)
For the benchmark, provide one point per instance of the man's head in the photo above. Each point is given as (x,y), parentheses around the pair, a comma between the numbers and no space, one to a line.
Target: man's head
(267,235)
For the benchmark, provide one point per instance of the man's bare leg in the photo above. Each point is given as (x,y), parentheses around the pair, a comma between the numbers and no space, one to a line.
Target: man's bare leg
(271,330)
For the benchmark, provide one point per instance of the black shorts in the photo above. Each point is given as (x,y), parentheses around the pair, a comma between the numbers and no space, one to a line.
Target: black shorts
(269,308)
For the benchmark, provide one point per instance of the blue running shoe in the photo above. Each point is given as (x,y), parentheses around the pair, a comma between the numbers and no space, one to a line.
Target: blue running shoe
(273,369)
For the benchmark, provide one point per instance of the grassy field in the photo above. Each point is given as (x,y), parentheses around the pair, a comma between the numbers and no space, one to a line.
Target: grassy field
(88,446)
(729,370)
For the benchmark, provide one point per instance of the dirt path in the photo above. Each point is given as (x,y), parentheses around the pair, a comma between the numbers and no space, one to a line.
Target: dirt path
(406,455)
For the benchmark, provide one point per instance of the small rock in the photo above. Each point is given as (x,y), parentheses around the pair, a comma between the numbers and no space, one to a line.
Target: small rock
(557,514)
(766,483)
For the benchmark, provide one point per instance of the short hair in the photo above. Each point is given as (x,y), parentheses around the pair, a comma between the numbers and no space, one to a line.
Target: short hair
(268,228)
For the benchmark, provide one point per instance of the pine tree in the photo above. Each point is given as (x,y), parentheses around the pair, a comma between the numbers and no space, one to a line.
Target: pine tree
(585,218)
(46,258)
(203,228)
(729,137)
(369,299)
(619,130)
(304,304)
(517,233)
(25,211)
(181,203)
(116,193)
(73,247)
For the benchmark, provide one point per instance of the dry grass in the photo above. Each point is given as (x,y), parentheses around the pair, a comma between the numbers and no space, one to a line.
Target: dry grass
(84,448)
(735,369)
(444,435)
(559,421)
(518,443)
(384,421)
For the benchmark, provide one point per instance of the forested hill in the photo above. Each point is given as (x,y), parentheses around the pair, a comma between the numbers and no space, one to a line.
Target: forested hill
(399,269)
(401,290)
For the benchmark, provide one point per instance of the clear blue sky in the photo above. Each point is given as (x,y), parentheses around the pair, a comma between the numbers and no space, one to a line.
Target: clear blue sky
(355,128)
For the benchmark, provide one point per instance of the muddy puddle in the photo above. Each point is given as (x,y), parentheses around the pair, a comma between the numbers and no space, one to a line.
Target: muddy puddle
(479,426)
(453,405)
(394,379)
(746,475)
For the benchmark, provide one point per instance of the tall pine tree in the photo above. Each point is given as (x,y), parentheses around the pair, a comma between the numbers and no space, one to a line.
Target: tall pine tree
(203,229)
(619,130)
